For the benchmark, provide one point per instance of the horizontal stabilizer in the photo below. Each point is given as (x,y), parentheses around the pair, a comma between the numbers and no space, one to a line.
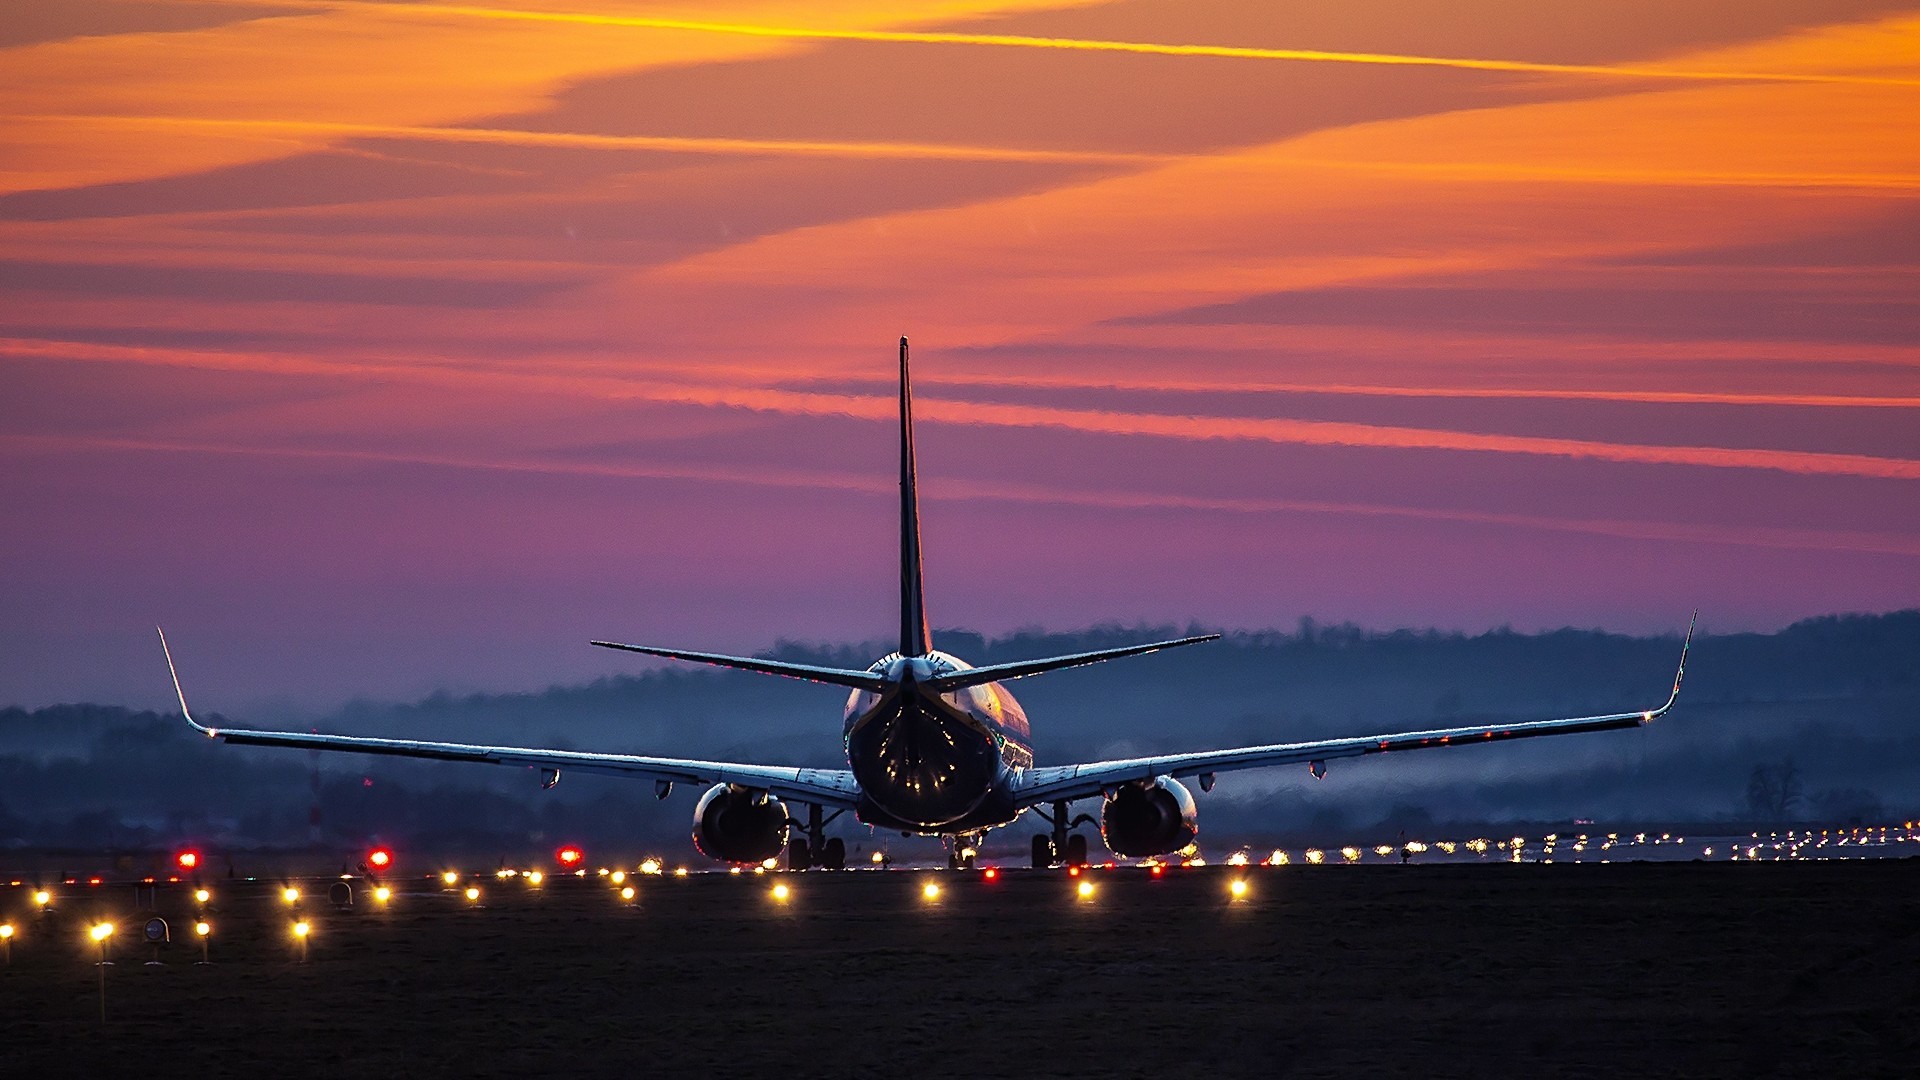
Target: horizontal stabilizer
(1001,672)
(860,680)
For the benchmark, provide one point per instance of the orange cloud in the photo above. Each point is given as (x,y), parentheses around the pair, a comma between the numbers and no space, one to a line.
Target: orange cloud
(366,65)
(1504,187)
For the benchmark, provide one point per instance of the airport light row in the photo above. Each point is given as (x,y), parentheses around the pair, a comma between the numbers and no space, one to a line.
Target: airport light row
(1790,844)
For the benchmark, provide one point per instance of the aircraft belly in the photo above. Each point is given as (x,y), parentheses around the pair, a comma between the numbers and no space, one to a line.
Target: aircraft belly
(992,812)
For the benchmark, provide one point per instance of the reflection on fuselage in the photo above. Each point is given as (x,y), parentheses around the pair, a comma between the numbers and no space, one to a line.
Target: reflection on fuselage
(932,762)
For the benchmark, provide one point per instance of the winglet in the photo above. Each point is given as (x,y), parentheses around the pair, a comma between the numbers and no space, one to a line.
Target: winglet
(179,693)
(1681,672)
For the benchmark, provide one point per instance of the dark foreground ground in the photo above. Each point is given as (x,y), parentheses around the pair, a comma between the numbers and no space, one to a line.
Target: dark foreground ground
(1805,969)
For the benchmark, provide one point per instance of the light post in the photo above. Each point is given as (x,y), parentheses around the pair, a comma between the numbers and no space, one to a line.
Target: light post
(100,933)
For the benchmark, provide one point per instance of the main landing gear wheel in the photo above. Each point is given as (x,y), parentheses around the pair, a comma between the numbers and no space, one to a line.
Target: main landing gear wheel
(1076,850)
(1042,851)
(799,856)
(833,854)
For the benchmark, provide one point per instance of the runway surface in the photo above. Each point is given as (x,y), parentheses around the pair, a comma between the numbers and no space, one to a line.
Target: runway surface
(1647,969)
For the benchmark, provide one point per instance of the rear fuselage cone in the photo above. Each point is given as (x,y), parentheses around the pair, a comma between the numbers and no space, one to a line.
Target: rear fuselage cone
(933,762)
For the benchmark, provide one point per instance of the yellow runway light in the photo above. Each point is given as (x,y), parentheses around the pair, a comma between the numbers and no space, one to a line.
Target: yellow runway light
(781,893)
(201,896)
(619,877)
(651,866)
(626,893)
(1085,890)
(383,894)
(473,892)
(203,928)
(6,931)
(290,894)
(931,890)
(1238,888)
(42,897)
(451,877)
(101,931)
(535,877)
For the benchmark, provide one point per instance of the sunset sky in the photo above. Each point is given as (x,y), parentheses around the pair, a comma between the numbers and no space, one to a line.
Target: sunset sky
(374,348)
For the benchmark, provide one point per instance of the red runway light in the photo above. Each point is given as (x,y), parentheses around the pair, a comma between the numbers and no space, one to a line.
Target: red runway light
(570,856)
(187,859)
(379,858)
(991,873)
(1073,871)
(1158,869)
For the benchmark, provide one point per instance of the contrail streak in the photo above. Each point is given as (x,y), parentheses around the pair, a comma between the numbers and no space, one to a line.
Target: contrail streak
(1646,397)
(1277,431)
(965,489)
(581,140)
(701,144)
(1026,41)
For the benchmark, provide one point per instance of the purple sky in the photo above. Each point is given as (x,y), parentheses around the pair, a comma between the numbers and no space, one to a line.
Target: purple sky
(375,349)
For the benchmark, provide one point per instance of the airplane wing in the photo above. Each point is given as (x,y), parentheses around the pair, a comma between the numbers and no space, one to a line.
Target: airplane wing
(827,787)
(1084,781)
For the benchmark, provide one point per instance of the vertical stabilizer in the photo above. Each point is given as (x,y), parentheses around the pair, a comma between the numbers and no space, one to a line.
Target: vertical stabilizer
(914,639)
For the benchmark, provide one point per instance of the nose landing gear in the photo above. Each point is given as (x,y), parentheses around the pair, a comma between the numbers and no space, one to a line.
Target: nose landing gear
(963,851)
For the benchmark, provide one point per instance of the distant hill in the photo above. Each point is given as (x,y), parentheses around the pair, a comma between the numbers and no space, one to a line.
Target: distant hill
(1829,705)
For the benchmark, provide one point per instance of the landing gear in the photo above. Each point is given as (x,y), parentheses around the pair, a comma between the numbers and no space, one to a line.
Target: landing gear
(963,851)
(1063,844)
(812,847)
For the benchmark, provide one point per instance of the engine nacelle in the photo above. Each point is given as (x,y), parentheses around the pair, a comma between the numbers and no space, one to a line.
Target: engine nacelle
(739,825)
(1151,817)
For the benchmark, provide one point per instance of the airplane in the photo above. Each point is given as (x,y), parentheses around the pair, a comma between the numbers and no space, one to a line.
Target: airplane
(934,747)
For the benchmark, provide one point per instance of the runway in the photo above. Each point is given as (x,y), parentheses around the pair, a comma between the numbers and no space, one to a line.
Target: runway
(1654,969)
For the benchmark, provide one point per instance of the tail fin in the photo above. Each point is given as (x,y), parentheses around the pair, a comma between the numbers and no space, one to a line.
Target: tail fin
(914,638)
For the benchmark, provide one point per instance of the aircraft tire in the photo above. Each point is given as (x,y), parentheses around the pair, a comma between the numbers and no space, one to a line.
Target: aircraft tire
(1077,850)
(799,856)
(1042,851)
(833,854)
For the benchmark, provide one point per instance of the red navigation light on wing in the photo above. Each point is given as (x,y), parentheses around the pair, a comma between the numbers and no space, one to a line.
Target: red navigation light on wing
(380,858)
(187,860)
(570,856)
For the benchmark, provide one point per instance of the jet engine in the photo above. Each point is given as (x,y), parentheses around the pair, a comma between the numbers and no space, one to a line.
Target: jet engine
(739,825)
(1149,817)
